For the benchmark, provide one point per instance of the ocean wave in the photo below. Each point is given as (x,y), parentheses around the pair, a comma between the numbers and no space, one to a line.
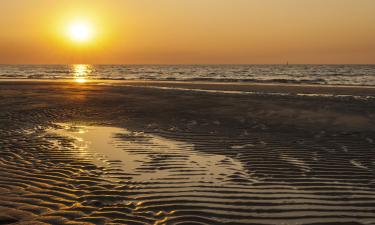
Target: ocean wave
(292,74)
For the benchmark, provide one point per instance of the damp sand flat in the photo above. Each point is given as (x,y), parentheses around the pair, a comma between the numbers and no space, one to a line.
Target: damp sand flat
(94,154)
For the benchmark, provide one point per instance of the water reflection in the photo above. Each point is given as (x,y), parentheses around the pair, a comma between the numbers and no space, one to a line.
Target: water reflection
(146,157)
(81,72)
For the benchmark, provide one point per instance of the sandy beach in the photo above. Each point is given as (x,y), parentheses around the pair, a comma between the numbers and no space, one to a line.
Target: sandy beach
(186,153)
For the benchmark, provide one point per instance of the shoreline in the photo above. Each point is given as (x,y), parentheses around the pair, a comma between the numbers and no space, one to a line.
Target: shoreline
(239,83)
(262,88)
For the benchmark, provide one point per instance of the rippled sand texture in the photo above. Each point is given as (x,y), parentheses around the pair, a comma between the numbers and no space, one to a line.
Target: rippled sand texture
(122,155)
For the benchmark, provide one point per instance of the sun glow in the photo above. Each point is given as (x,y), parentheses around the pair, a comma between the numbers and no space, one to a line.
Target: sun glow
(80,32)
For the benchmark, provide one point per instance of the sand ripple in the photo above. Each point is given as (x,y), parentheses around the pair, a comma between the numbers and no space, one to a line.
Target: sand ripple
(66,176)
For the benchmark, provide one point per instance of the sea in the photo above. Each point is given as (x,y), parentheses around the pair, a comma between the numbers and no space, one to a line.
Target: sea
(363,75)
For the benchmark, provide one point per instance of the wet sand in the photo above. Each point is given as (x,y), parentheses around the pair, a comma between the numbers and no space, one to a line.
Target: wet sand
(186,153)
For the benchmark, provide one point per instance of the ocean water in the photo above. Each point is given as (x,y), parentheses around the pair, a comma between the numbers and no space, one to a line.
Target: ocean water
(304,74)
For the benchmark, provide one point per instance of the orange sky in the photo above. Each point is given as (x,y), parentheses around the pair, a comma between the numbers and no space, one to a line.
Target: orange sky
(189,31)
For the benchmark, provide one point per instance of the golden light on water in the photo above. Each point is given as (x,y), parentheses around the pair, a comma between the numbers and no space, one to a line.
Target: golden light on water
(81,72)
(80,80)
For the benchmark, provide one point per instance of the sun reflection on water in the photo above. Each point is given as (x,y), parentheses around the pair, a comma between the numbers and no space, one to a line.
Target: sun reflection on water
(81,72)
(143,156)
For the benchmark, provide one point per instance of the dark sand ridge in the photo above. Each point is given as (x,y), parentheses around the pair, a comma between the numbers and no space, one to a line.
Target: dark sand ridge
(306,159)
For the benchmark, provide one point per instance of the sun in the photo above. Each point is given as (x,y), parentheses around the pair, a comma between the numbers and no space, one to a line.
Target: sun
(80,32)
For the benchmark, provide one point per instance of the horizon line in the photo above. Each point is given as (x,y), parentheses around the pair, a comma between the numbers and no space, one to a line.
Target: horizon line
(181,64)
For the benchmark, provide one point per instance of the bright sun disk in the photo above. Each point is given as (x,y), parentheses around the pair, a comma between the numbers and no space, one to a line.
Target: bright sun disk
(80,32)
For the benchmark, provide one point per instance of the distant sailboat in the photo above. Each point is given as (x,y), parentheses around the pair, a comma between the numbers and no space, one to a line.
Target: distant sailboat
(287,63)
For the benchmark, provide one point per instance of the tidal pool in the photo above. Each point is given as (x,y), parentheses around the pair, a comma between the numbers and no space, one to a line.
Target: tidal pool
(148,157)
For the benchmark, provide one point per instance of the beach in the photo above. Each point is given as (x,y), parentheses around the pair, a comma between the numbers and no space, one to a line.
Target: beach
(149,152)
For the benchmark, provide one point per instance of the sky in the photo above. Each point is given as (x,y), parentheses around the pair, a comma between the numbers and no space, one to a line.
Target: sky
(189,31)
